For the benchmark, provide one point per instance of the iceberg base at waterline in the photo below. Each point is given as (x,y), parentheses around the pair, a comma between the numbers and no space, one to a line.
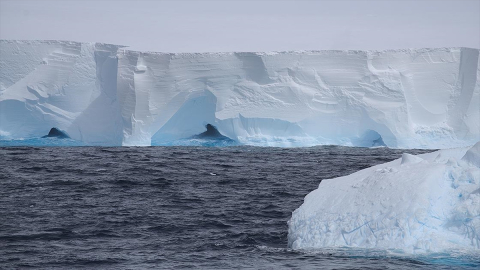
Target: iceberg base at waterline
(42,142)
(413,205)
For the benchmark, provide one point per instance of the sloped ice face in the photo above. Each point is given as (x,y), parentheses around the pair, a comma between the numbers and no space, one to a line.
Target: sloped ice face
(68,85)
(98,93)
(416,204)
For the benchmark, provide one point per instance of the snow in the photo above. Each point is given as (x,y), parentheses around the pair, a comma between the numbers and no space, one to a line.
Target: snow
(415,204)
(410,159)
(107,94)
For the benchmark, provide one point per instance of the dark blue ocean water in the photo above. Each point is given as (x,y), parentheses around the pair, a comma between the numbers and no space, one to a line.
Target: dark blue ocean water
(175,207)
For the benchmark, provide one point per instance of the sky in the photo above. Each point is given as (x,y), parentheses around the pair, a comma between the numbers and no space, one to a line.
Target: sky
(212,26)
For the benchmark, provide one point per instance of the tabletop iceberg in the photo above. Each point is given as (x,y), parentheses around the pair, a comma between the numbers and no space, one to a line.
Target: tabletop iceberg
(107,94)
(415,204)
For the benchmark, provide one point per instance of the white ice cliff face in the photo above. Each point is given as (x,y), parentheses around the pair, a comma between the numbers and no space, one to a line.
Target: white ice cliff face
(106,94)
(416,204)
(68,85)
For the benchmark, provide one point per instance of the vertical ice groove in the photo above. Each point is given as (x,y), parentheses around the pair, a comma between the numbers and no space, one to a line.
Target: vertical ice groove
(127,62)
(465,96)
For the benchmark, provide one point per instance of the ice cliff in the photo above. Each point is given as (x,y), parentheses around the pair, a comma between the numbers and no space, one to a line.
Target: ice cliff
(416,204)
(107,94)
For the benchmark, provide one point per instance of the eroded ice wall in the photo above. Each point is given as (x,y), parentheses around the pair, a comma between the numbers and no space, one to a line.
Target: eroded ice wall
(68,85)
(425,98)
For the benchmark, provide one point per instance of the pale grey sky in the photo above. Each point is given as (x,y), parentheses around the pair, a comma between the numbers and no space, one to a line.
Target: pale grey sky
(200,26)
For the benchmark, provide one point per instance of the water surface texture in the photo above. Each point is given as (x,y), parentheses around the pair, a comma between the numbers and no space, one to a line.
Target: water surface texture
(175,207)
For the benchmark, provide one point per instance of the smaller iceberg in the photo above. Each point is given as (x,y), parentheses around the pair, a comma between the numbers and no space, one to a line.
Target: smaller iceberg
(413,205)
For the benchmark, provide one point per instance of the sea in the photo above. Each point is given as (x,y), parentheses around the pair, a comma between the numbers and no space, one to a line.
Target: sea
(79,207)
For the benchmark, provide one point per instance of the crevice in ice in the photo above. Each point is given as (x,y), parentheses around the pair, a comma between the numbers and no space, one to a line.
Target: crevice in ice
(460,104)
(101,121)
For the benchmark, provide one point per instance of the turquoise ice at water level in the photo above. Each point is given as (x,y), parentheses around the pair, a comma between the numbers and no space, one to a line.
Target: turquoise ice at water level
(41,142)
(70,142)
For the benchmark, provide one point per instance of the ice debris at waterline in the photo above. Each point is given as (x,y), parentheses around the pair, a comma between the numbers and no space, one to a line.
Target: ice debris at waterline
(107,94)
(56,133)
(415,204)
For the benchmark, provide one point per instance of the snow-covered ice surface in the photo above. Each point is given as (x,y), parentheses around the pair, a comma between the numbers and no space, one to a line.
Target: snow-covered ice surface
(107,94)
(415,205)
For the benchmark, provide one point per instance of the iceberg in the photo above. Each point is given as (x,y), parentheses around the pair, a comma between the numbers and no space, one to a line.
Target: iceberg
(106,94)
(416,204)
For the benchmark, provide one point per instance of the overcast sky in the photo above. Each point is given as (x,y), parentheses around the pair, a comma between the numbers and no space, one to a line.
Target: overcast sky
(199,26)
